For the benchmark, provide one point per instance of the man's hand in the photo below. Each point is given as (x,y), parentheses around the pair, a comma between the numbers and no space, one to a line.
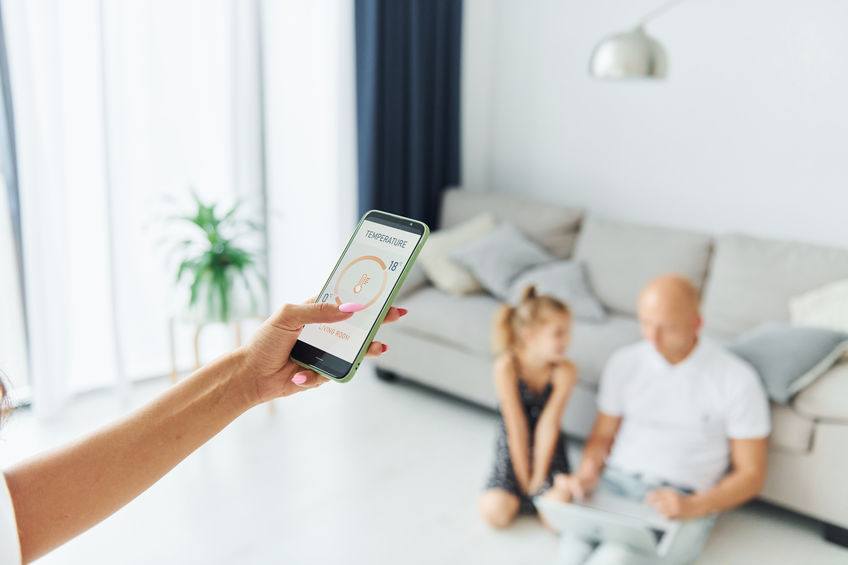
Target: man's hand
(266,354)
(672,505)
(582,483)
(578,485)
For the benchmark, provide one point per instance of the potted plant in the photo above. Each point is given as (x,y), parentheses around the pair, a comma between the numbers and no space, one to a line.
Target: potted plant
(222,278)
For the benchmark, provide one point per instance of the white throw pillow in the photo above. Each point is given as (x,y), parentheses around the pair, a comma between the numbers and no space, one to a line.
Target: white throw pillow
(445,273)
(824,307)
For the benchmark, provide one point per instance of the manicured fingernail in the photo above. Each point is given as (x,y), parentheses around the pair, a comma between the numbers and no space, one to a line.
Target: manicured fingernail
(385,348)
(403,311)
(299,379)
(351,307)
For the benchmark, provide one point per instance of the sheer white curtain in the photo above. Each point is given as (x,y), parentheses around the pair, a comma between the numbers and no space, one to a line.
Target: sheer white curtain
(122,104)
(13,358)
(311,133)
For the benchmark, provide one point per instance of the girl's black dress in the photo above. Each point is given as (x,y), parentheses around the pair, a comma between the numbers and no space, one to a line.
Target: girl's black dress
(503,474)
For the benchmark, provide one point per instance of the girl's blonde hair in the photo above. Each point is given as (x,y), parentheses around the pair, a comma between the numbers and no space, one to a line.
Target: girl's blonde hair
(510,320)
(5,401)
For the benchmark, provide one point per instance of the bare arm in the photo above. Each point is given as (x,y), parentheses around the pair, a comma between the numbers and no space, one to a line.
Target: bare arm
(744,482)
(599,444)
(62,493)
(548,427)
(506,386)
(748,459)
(595,452)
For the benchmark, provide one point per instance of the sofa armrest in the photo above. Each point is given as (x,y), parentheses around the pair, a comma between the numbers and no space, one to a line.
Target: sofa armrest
(825,398)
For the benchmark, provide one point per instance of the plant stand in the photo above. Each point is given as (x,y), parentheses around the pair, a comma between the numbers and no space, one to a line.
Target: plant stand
(197,330)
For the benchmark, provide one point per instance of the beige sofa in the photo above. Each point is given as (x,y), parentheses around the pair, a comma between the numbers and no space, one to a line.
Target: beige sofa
(745,280)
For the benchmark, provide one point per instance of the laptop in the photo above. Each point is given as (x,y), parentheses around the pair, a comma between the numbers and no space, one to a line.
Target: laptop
(605,516)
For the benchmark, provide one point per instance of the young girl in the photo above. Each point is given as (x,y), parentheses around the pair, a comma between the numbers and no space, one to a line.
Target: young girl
(533,381)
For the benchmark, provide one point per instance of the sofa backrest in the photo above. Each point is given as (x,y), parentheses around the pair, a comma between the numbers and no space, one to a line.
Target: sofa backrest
(752,279)
(553,227)
(621,258)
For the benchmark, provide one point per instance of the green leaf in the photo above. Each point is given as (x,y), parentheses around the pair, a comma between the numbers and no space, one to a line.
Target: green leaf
(254,306)
(194,288)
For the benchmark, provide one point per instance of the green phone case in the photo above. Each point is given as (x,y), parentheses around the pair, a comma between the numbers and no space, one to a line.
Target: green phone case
(355,365)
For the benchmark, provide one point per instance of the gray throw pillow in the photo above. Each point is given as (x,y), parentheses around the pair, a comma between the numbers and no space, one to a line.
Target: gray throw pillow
(565,280)
(787,357)
(496,258)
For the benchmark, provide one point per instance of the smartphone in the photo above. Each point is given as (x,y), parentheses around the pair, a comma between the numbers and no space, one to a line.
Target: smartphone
(370,271)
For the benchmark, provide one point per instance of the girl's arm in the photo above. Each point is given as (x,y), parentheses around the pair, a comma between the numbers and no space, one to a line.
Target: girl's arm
(548,426)
(506,386)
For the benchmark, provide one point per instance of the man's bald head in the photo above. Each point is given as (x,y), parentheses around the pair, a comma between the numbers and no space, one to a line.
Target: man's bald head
(672,292)
(670,316)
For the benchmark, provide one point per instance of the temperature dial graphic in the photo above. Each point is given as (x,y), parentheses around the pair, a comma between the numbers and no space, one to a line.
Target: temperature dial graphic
(362,280)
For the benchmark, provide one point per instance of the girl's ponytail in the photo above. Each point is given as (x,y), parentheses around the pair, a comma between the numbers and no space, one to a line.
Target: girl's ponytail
(528,294)
(503,332)
(5,401)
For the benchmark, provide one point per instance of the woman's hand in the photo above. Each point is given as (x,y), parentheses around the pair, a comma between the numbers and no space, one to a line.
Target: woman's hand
(60,494)
(266,354)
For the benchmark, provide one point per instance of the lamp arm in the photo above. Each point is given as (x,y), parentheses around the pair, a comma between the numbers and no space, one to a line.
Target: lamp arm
(659,10)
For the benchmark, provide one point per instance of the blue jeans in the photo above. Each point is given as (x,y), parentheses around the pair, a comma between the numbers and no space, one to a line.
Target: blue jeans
(686,547)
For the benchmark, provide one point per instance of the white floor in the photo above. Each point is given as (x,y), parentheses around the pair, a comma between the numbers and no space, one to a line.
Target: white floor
(366,472)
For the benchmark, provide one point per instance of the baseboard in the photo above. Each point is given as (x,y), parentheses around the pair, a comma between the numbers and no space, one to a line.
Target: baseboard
(836,534)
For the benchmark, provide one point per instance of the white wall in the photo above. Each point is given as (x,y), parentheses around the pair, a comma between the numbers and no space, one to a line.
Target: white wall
(748,133)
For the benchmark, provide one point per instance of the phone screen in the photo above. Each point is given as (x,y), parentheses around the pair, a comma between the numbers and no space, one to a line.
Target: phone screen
(367,273)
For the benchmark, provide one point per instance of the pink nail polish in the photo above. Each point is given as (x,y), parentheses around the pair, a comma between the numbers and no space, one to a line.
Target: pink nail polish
(385,348)
(299,379)
(403,311)
(351,307)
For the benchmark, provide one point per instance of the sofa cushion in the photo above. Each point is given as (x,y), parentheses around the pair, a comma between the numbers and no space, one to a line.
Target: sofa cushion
(593,343)
(751,279)
(496,258)
(827,398)
(621,258)
(789,358)
(465,322)
(553,227)
(790,431)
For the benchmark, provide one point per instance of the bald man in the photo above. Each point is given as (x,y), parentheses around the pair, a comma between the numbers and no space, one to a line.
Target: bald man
(682,427)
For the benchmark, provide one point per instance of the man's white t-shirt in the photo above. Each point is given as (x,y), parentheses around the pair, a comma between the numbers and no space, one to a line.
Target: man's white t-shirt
(10,551)
(677,420)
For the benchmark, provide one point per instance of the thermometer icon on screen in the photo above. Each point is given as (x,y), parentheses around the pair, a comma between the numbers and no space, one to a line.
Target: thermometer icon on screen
(362,282)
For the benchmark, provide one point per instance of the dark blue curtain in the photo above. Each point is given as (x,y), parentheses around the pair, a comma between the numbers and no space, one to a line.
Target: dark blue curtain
(407,104)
